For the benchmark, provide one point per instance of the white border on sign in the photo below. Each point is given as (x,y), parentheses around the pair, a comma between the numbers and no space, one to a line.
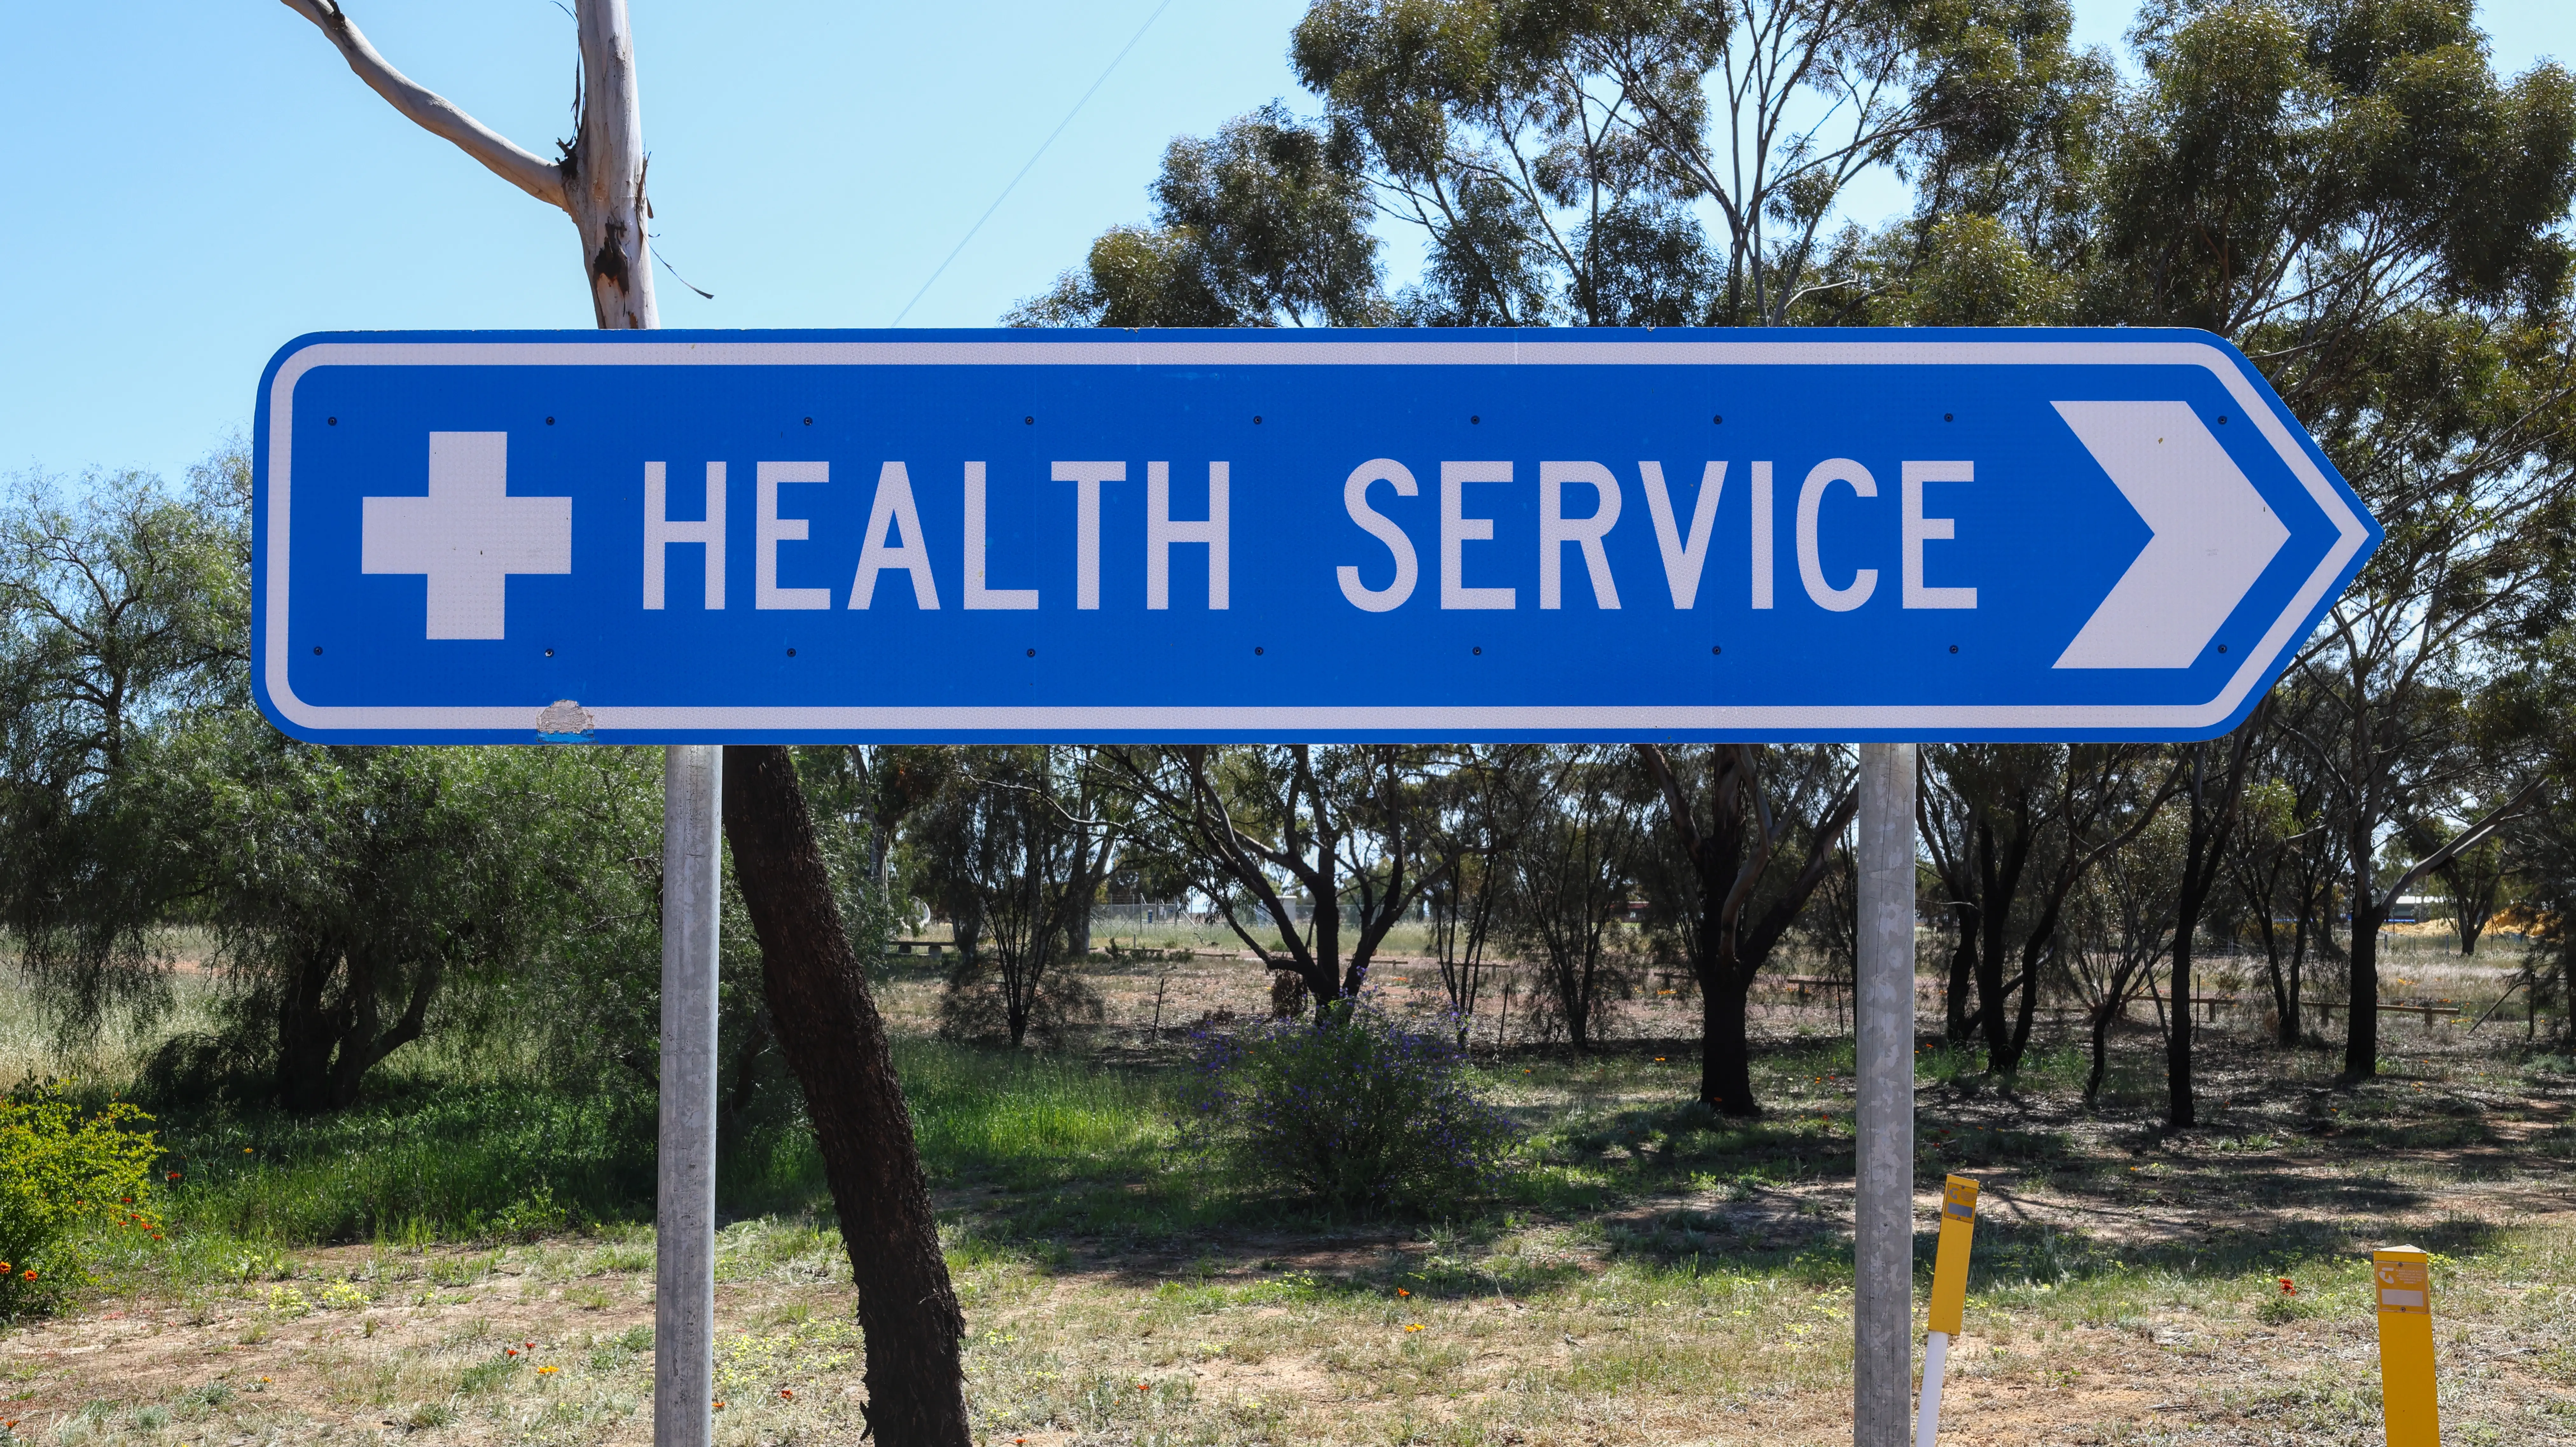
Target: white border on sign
(2351,533)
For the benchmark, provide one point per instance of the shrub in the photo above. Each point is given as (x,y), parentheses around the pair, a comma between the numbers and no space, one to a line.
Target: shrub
(1358,1113)
(62,1175)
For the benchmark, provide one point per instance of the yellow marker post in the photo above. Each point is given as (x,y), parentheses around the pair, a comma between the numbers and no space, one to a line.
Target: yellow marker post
(2402,1276)
(1949,1299)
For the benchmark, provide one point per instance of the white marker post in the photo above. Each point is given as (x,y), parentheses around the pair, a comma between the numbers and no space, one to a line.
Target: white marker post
(684,1218)
(1883,1201)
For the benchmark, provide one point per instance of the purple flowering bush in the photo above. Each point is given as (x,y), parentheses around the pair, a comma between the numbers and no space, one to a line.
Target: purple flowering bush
(1363,1113)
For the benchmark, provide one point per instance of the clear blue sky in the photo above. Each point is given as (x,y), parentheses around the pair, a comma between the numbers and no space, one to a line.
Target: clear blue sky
(192,182)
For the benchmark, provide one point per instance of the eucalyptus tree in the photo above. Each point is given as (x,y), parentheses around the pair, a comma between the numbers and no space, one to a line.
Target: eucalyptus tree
(2348,191)
(1562,163)
(1747,836)
(1014,848)
(1266,224)
(2281,862)
(2504,745)
(1581,825)
(2012,831)
(2213,780)
(829,1028)
(2545,693)
(1558,159)
(1261,829)
(1467,907)
(125,603)
(2121,926)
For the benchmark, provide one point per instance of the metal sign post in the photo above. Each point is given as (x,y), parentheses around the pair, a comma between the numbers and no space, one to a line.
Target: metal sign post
(1883,1197)
(685,1197)
(690,538)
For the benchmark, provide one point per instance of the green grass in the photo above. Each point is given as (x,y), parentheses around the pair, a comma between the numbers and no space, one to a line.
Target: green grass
(420,1162)
(416,1164)
(1029,1122)
(1047,1143)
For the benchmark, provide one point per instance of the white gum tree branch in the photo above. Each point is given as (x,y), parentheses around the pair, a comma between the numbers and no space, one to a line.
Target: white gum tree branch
(599,182)
(431,111)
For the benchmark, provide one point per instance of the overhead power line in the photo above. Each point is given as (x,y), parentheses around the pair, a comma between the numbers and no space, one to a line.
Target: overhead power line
(1033,160)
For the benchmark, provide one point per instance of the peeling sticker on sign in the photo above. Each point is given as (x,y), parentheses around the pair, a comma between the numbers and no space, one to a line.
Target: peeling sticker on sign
(563,722)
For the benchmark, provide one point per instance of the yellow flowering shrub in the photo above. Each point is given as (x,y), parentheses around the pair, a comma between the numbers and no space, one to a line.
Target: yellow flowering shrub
(64,1175)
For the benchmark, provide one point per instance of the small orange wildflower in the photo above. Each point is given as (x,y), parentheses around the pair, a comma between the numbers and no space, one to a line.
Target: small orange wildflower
(788,1392)
(2287,1289)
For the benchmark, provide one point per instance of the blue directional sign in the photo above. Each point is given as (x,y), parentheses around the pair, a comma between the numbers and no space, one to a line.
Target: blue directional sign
(637,537)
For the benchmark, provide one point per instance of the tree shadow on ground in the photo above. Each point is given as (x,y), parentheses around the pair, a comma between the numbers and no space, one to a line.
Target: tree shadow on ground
(2010,1252)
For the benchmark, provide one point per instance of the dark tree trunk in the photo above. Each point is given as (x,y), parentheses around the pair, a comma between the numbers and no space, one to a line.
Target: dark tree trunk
(1726,1054)
(2361,1035)
(364,1047)
(1990,996)
(1575,999)
(2281,1011)
(325,1051)
(1963,966)
(305,1034)
(1728,950)
(2025,1015)
(831,1036)
(2103,1015)
(2180,1109)
(2204,855)
(2292,1024)
(2361,1032)
(1999,877)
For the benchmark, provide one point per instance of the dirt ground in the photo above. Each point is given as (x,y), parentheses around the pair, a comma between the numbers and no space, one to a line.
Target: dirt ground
(549,1343)
(2128,1295)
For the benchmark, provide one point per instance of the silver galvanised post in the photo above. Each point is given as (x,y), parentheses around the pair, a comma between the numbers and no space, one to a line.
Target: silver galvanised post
(1883,1215)
(684,1282)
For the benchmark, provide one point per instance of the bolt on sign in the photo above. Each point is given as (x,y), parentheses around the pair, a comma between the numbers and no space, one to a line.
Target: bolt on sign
(2402,1280)
(670,537)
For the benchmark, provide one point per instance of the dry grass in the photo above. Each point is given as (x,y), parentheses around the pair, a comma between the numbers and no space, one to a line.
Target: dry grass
(1661,1279)
(1534,1335)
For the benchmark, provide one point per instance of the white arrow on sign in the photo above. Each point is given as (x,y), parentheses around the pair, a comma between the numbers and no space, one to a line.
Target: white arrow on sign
(2213,535)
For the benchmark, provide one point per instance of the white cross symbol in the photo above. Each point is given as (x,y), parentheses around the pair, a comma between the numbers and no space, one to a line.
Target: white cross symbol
(468,535)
